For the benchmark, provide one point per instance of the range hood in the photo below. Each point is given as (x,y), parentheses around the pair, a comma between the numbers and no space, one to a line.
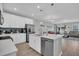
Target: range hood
(1,16)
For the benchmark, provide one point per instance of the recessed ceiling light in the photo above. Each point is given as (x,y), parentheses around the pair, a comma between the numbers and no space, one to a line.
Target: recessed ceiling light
(32,14)
(41,23)
(38,6)
(15,9)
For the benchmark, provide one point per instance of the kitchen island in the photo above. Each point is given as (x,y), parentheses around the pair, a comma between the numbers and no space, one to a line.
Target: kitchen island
(51,45)
(37,43)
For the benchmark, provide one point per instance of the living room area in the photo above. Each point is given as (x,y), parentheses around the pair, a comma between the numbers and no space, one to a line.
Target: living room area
(70,39)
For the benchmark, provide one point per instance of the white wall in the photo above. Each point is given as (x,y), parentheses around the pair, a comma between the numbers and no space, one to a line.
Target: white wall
(11,20)
(37,26)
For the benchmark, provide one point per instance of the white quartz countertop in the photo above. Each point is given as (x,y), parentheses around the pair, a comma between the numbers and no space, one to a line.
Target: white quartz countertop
(12,34)
(53,36)
(49,36)
(6,47)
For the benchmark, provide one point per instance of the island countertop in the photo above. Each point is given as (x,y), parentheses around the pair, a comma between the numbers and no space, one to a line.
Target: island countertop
(52,36)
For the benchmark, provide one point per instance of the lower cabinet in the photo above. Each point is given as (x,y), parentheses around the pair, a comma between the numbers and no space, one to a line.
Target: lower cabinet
(19,37)
(32,42)
(35,42)
(38,44)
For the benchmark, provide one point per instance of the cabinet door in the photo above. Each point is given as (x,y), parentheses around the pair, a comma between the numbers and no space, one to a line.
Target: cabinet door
(34,43)
(57,46)
(31,41)
(38,44)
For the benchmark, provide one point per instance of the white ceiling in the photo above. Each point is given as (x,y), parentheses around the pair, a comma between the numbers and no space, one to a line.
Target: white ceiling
(59,13)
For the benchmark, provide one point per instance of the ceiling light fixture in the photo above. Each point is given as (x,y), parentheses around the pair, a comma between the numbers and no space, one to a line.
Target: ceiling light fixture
(32,14)
(38,6)
(41,23)
(15,9)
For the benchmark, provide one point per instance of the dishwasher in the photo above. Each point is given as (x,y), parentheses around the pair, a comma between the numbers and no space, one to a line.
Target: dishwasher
(47,47)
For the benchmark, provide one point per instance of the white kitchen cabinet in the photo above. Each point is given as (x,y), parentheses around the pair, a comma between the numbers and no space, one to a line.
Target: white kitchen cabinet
(17,37)
(38,44)
(31,41)
(35,42)
(7,48)
(58,47)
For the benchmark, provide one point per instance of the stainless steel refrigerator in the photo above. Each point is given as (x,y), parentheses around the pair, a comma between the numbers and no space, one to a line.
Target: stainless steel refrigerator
(29,30)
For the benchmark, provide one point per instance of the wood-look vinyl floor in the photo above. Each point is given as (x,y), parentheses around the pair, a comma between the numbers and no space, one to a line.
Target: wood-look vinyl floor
(25,50)
(70,48)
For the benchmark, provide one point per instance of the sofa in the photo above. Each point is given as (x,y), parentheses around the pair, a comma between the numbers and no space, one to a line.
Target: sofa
(74,34)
